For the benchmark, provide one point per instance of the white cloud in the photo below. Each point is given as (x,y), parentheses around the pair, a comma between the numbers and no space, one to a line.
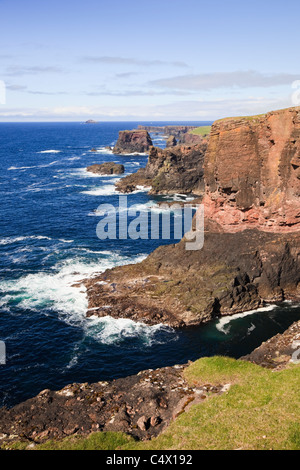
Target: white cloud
(211,81)
(109,60)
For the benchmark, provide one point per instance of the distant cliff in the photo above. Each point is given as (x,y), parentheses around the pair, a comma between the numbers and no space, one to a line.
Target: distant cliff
(136,141)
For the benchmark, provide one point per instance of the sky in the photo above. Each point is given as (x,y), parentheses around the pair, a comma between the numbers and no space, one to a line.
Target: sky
(119,60)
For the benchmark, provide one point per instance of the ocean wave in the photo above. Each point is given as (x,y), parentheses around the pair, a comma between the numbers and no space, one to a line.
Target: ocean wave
(50,151)
(102,150)
(108,330)
(60,290)
(83,173)
(31,167)
(11,240)
(223,322)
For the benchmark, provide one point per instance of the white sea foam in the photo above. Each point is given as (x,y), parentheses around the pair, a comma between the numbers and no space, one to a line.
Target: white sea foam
(50,151)
(31,167)
(221,325)
(102,150)
(56,290)
(105,190)
(11,240)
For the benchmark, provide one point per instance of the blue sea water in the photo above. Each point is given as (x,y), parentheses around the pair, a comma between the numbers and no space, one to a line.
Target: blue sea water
(48,243)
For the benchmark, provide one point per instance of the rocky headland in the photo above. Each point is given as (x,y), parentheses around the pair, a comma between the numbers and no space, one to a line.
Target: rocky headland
(108,168)
(252,238)
(172,170)
(135,141)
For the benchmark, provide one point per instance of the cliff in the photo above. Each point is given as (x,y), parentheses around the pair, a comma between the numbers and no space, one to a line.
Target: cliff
(136,141)
(252,237)
(173,170)
(252,172)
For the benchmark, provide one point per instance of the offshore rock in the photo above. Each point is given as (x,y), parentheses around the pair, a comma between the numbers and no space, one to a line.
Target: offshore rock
(136,141)
(108,168)
(141,405)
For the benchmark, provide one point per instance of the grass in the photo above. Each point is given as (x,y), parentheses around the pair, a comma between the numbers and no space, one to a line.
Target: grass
(203,130)
(246,118)
(259,412)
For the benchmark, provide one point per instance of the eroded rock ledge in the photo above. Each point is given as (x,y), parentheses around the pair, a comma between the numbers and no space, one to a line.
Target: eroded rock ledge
(233,273)
(176,169)
(141,405)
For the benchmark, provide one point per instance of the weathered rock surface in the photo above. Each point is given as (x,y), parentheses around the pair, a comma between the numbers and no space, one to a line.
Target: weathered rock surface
(171,142)
(232,273)
(173,170)
(279,351)
(252,172)
(136,141)
(108,168)
(141,405)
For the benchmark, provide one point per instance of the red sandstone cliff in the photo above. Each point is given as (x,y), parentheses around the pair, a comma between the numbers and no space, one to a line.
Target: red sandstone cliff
(252,172)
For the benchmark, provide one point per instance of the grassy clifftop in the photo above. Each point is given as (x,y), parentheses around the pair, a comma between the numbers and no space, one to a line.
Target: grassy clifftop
(260,411)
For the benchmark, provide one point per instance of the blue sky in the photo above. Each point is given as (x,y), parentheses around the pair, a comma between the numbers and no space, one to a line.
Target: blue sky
(140,60)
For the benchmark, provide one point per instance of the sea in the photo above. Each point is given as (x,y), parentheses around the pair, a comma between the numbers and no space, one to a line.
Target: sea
(49,244)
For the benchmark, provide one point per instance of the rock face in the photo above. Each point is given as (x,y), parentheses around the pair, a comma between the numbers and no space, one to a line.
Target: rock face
(136,141)
(279,351)
(176,131)
(171,142)
(109,168)
(231,274)
(252,172)
(174,170)
(141,405)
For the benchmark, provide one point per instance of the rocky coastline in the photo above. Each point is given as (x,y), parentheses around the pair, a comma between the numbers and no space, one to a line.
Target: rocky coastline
(248,174)
(142,405)
(172,170)
(252,238)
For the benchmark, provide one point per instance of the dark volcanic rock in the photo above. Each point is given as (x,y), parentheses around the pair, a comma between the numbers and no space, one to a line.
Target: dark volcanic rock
(109,168)
(174,170)
(136,141)
(279,351)
(141,405)
(171,142)
(232,273)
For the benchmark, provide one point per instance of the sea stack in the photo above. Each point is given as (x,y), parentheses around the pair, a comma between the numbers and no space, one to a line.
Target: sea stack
(135,141)
(109,168)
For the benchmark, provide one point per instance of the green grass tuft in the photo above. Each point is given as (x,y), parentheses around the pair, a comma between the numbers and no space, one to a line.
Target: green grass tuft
(203,130)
